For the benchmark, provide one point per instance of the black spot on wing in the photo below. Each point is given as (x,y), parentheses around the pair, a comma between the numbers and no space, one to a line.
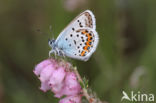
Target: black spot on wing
(71,35)
(80,24)
(75,42)
(73,29)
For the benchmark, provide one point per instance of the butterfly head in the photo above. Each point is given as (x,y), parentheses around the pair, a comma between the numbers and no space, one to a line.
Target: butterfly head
(51,43)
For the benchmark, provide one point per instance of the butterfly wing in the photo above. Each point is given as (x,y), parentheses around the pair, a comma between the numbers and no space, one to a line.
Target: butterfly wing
(85,19)
(79,39)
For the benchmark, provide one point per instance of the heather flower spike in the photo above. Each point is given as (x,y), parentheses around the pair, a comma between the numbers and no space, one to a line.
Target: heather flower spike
(62,79)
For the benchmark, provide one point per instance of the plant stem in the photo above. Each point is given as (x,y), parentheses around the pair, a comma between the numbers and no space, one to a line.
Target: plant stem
(90,98)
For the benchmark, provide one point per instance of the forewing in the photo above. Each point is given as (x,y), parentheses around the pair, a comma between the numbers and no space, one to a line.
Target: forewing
(79,39)
(85,20)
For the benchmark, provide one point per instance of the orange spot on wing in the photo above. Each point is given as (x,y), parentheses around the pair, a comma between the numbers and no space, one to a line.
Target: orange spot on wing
(89,40)
(88,43)
(88,35)
(82,53)
(86,48)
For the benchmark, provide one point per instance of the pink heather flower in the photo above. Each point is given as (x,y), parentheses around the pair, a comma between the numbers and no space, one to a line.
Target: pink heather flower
(56,81)
(57,77)
(41,66)
(58,90)
(44,86)
(46,73)
(71,99)
(45,70)
(72,86)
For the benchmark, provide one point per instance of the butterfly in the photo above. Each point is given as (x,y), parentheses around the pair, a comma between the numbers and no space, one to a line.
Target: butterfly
(78,40)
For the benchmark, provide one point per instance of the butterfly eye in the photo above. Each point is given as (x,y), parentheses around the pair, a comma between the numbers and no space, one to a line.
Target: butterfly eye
(50,42)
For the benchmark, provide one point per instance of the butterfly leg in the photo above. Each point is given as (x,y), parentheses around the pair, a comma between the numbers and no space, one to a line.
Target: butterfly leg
(62,54)
(51,52)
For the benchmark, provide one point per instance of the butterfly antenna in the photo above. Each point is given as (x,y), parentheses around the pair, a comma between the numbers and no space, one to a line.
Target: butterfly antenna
(50,29)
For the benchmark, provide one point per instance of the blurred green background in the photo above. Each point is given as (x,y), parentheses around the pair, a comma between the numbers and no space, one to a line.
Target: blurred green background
(124,60)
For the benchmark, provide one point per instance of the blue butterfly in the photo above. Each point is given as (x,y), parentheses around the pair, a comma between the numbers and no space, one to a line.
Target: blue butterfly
(78,40)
